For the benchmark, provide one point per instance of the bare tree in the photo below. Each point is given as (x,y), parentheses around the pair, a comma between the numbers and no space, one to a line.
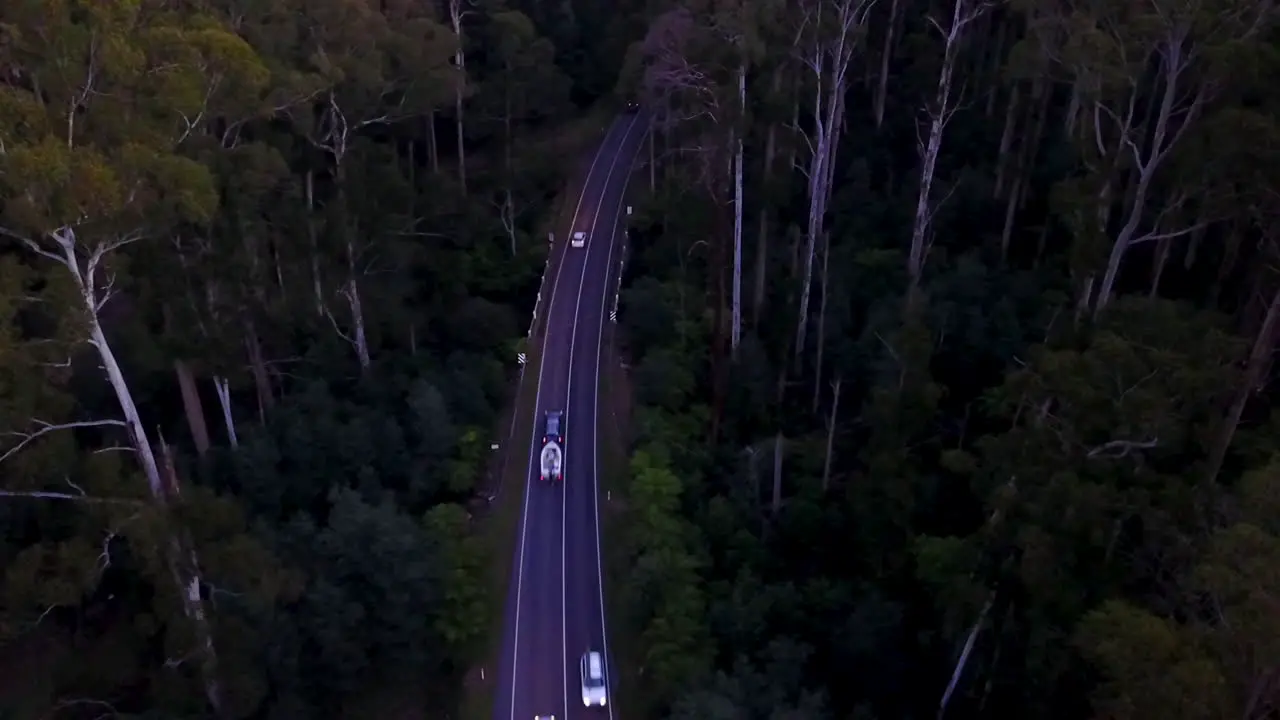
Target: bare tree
(737,214)
(963,13)
(457,13)
(829,34)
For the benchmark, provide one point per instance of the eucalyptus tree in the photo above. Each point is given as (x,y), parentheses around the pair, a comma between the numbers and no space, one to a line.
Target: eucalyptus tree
(519,86)
(92,168)
(1142,78)
(828,37)
(939,111)
(379,68)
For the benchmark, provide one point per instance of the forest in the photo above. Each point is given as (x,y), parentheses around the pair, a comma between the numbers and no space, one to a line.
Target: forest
(948,327)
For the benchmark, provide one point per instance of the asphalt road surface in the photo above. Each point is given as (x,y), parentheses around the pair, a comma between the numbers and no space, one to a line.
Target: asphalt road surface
(555,609)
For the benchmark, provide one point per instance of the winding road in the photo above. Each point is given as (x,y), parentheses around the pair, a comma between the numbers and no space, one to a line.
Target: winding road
(555,606)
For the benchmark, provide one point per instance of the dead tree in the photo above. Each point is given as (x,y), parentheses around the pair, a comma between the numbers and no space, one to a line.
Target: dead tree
(828,36)
(963,13)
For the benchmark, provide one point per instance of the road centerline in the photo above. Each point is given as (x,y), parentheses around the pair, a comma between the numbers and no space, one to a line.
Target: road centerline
(537,404)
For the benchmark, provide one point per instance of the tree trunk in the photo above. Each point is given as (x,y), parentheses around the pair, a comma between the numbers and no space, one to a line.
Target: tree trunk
(194,409)
(224,399)
(433,151)
(182,565)
(1003,161)
(736,335)
(940,114)
(822,323)
(258,366)
(778,447)
(828,59)
(762,247)
(1163,138)
(1157,265)
(964,656)
(831,433)
(1263,345)
(460,63)
(1042,91)
(357,339)
(315,246)
(882,90)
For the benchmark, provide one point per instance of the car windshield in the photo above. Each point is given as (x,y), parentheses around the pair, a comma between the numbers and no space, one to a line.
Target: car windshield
(593,677)
(553,424)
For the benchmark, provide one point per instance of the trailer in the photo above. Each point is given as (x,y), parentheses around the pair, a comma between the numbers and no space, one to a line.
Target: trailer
(551,461)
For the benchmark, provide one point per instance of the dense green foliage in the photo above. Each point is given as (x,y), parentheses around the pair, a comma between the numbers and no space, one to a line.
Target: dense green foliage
(996,440)
(986,432)
(257,312)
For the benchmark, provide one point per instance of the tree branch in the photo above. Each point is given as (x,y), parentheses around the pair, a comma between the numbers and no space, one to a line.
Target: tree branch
(45,428)
(1121,448)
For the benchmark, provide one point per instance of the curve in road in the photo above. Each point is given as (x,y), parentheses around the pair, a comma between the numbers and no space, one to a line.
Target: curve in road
(555,610)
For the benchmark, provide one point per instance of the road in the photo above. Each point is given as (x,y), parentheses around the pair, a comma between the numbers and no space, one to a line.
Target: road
(555,608)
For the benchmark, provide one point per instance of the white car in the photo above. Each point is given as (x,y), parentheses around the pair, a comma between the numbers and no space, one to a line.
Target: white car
(544,717)
(594,691)
(579,239)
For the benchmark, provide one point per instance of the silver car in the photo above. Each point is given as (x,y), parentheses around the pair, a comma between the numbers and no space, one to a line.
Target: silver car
(594,691)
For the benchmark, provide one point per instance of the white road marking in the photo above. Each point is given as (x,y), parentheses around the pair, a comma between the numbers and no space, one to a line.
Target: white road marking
(573,336)
(533,438)
(595,419)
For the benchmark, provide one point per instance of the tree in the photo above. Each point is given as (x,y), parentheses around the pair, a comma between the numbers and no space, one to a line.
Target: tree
(96,171)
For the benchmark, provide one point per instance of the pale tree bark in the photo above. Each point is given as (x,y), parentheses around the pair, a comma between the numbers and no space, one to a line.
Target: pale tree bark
(964,12)
(457,12)
(736,335)
(822,322)
(507,215)
(94,292)
(193,407)
(336,133)
(829,34)
(1161,61)
(831,433)
(1171,123)
(350,291)
(963,660)
(223,389)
